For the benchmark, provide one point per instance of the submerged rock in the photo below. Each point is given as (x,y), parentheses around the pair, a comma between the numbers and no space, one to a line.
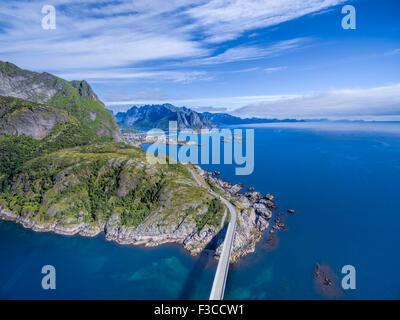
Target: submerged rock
(272,241)
(326,282)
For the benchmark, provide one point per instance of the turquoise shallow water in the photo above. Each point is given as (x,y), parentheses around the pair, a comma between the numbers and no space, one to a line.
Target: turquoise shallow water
(342,180)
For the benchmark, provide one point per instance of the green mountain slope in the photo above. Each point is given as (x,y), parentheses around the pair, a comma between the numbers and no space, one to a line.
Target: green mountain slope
(28,130)
(75,97)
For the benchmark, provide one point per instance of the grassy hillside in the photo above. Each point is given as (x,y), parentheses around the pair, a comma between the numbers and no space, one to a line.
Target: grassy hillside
(91,183)
(90,111)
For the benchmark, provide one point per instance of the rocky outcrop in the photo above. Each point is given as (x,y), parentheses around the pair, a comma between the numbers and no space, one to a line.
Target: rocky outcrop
(28,85)
(36,87)
(147,234)
(252,221)
(84,89)
(198,241)
(62,228)
(34,120)
(254,213)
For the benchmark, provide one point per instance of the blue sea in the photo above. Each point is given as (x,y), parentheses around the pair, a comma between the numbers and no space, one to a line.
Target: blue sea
(341,178)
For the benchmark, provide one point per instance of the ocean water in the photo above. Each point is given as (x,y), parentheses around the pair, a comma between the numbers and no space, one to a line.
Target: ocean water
(342,179)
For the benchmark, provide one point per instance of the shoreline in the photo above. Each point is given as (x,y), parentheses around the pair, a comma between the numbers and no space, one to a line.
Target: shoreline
(101,236)
(83,230)
(254,214)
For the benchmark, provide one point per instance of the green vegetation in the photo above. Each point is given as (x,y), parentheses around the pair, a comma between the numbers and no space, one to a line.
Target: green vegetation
(213,216)
(10,105)
(83,108)
(92,182)
(137,205)
(78,182)
(8,68)
(14,152)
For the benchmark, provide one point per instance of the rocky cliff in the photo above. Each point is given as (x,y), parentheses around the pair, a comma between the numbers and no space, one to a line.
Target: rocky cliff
(19,117)
(75,97)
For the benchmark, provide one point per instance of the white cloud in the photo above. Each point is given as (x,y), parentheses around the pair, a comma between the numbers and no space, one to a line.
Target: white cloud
(274,69)
(245,70)
(210,109)
(227,103)
(137,74)
(394,52)
(336,104)
(243,53)
(95,35)
(381,103)
(146,93)
(107,35)
(224,20)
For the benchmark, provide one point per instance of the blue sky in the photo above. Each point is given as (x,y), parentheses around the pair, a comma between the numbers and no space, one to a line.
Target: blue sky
(263,58)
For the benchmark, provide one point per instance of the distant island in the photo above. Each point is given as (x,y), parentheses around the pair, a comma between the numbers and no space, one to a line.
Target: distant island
(66,168)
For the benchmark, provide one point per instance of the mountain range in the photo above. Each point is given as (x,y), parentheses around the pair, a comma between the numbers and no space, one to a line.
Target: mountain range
(158,116)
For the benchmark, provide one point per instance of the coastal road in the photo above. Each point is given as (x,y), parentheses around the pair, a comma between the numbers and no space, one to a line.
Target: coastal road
(218,288)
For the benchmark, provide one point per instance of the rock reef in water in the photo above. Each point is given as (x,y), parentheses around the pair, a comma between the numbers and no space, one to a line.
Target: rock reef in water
(326,282)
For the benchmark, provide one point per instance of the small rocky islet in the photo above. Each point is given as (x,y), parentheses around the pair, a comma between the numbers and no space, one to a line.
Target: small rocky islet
(278,225)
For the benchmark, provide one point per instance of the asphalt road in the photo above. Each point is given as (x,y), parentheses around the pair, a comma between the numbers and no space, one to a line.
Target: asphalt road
(218,288)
